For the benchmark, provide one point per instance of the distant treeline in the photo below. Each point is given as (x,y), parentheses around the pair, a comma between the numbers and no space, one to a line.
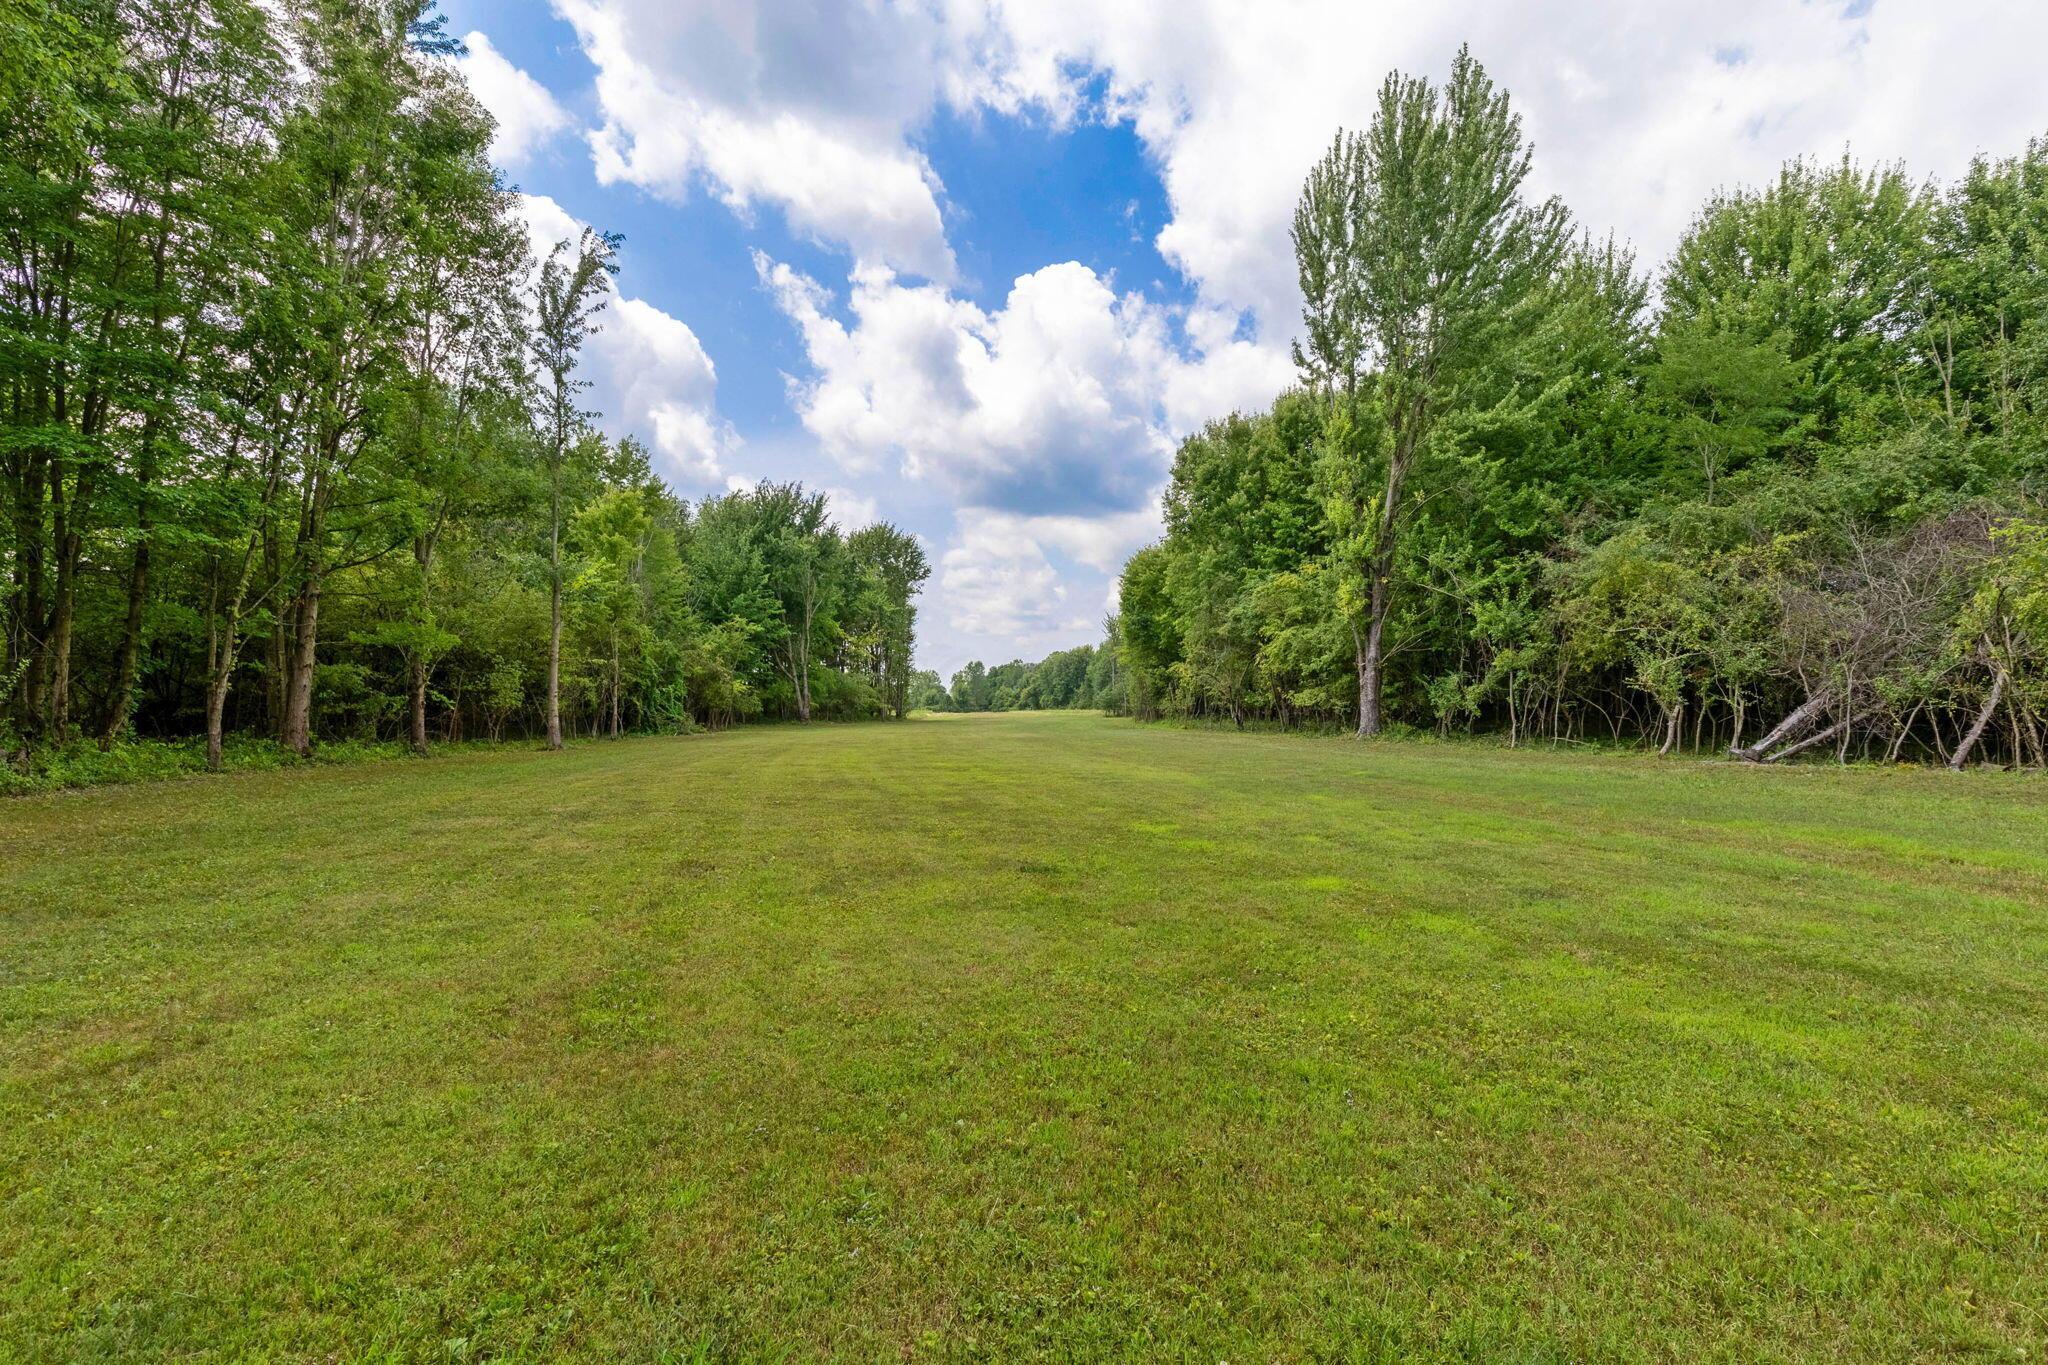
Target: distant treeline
(291,433)
(1792,505)
(1086,678)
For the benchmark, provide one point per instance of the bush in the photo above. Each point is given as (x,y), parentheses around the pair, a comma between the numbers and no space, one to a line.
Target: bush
(81,763)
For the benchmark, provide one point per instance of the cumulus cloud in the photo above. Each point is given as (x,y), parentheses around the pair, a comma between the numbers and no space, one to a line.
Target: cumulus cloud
(1065,400)
(650,376)
(999,579)
(994,580)
(528,116)
(664,385)
(852,511)
(1101,543)
(807,108)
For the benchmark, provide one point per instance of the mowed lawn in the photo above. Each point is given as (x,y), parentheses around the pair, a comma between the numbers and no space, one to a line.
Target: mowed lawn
(1031,1036)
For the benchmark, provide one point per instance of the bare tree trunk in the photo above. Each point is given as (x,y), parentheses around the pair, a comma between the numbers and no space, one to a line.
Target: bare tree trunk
(223,643)
(1372,658)
(298,694)
(1673,725)
(555,620)
(25,617)
(618,686)
(129,662)
(1369,662)
(1819,737)
(1976,730)
(63,612)
(420,667)
(416,702)
(1905,729)
(220,669)
(1807,712)
(276,651)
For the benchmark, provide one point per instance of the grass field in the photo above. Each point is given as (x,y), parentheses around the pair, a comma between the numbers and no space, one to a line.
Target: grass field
(1031,1036)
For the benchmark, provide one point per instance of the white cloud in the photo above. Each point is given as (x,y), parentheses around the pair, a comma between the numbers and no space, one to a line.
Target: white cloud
(547,223)
(1102,543)
(995,580)
(528,115)
(806,108)
(1065,400)
(650,376)
(852,511)
(664,387)
(1000,591)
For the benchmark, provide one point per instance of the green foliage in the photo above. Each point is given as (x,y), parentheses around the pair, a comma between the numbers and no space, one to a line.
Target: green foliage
(82,763)
(291,431)
(1510,499)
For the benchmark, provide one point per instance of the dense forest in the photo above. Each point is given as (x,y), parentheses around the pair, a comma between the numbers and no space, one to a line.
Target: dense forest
(1785,498)
(293,442)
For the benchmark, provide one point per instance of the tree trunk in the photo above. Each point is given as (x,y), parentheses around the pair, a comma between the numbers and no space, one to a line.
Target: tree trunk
(276,654)
(1820,737)
(122,702)
(1905,729)
(1372,658)
(63,613)
(1976,730)
(298,700)
(1789,728)
(223,643)
(618,686)
(220,672)
(419,667)
(1369,667)
(555,621)
(25,619)
(416,703)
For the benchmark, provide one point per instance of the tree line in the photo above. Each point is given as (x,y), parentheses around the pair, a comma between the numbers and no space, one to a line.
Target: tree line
(293,439)
(1085,678)
(1785,498)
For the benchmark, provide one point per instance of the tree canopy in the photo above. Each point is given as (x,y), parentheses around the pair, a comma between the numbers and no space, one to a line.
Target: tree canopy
(1786,493)
(294,439)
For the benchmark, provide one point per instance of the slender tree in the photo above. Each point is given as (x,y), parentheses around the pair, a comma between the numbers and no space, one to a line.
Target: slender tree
(573,286)
(1420,260)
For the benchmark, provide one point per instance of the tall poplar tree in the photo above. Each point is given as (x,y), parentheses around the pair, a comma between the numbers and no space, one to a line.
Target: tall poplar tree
(571,292)
(1422,265)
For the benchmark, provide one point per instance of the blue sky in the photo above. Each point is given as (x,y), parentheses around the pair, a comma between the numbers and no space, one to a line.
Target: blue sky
(975,266)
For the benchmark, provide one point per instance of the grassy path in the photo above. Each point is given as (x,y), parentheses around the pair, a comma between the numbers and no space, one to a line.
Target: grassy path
(1026,1036)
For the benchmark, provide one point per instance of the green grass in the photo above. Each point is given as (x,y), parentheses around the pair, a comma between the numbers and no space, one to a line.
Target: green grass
(1028,1036)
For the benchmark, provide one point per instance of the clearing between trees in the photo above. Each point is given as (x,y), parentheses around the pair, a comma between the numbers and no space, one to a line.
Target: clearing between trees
(1026,1035)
